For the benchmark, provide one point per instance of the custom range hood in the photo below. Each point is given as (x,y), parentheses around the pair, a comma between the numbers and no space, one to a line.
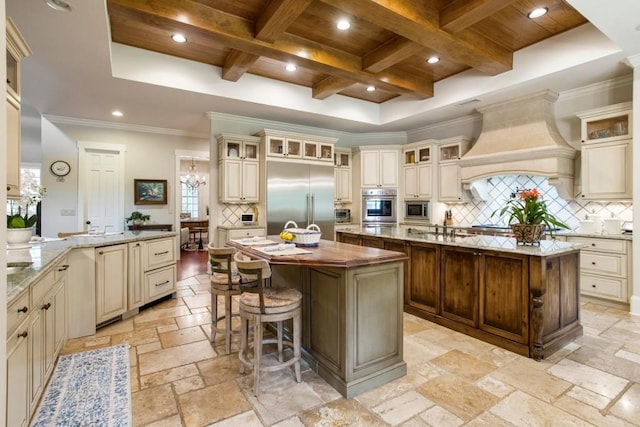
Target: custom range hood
(520,137)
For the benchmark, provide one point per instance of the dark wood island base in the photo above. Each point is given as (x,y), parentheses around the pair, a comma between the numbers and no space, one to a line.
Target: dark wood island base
(524,299)
(351,313)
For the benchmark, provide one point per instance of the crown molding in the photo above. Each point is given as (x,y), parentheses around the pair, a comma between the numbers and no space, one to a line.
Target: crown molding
(460,121)
(603,86)
(121,126)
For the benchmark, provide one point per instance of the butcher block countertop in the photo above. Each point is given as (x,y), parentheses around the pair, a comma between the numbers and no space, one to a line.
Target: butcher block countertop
(327,254)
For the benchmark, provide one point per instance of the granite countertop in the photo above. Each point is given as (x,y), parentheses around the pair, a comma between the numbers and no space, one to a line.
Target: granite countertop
(620,236)
(240,227)
(496,243)
(45,254)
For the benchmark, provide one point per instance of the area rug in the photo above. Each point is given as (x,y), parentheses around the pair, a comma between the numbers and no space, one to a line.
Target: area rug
(91,388)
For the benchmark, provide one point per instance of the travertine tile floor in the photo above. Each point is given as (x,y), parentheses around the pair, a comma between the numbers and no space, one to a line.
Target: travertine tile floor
(179,379)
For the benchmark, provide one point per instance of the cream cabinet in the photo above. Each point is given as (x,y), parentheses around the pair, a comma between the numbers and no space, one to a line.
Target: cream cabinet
(111,282)
(17,49)
(18,375)
(343,177)
(379,168)
(297,146)
(159,264)
(135,297)
(239,169)
(313,150)
(223,235)
(418,172)
(36,331)
(449,175)
(606,157)
(343,192)
(605,267)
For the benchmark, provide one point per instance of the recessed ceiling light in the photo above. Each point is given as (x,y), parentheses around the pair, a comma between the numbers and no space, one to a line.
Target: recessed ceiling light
(433,60)
(371,88)
(179,38)
(117,113)
(343,24)
(290,67)
(58,5)
(537,12)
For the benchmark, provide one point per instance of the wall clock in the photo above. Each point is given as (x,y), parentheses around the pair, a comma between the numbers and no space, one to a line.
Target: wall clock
(60,168)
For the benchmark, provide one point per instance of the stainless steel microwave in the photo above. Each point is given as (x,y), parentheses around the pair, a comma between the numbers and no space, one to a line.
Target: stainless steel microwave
(416,210)
(342,215)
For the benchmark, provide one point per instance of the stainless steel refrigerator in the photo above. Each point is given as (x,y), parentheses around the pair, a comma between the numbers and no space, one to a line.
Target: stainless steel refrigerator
(302,193)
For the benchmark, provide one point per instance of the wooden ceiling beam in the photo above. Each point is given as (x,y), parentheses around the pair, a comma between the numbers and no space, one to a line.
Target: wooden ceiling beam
(236,64)
(237,33)
(277,17)
(270,25)
(416,21)
(462,14)
(389,54)
(329,86)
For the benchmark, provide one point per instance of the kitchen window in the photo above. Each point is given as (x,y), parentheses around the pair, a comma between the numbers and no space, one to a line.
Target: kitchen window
(190,200)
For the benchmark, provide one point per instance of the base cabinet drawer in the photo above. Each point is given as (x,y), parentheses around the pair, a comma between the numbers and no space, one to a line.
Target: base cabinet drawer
(603,263)
(158,253)
(17,312)
(158,283)
(604,287)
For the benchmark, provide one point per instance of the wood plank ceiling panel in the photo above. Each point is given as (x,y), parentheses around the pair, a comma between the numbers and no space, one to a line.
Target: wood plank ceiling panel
(386,46)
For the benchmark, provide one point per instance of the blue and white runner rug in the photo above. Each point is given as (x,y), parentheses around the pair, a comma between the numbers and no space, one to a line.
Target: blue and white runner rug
(91,388)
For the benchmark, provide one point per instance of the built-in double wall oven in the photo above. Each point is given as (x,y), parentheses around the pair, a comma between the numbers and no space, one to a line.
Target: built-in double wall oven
(379,206)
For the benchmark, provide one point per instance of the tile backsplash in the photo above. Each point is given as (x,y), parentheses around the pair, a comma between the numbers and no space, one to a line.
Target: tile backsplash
(567,211)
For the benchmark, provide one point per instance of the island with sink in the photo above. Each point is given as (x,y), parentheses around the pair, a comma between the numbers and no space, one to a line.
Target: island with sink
(524,298)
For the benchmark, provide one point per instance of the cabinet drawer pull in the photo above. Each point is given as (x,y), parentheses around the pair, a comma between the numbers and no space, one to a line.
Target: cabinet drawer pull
(161,253)
(163,283)
(593,263)
(23,310)
(593,286)
(63,267)
(23,335)
(593,244)
(47,306)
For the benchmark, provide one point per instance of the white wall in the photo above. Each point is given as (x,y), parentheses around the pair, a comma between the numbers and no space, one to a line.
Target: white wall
(148,156)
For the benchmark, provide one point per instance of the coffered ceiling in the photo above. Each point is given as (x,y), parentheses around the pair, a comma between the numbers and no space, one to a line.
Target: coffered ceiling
(117,54)
(385,47)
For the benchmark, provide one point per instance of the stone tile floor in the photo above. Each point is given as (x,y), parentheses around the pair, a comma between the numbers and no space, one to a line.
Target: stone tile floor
(178,378)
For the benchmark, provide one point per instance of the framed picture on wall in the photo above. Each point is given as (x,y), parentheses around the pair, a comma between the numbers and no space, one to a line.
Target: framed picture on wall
(150,191)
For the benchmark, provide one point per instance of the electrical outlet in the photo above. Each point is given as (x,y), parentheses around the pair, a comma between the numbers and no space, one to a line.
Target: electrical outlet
(67,212)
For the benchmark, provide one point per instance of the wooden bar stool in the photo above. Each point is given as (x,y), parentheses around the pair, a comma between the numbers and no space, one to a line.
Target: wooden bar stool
(259,305)
(224,283)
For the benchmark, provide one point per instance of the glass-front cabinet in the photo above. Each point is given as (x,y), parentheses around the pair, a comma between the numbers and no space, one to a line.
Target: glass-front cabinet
(606,124)
(318,151)
(232,148)
(284,147)
(417,155)
(342,159)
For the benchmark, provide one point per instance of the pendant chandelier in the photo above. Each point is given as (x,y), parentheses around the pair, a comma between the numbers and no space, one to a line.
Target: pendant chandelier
(192,179)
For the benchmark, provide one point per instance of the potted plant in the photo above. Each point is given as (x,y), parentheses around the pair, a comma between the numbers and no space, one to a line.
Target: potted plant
(138,218)
(528,216)
(21,219)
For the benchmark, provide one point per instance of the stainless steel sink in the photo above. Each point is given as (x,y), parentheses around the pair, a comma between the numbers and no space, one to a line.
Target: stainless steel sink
(17,267)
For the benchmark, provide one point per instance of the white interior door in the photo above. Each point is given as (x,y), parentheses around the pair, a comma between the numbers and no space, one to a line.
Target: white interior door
(101,187)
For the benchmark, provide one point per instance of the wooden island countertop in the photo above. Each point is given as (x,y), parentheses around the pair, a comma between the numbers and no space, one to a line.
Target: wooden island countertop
(327,254)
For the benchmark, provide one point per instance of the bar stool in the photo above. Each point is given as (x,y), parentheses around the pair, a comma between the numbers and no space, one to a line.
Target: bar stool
(224,283)
(259,305)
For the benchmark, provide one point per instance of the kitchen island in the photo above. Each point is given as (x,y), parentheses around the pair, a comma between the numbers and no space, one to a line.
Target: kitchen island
(351,312)
(522,298)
